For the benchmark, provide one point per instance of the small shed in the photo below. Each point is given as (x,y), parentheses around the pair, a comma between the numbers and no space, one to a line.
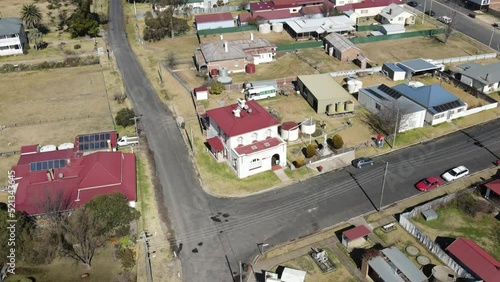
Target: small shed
(341,47)
(393,72)
(417,67)
(201,93)
(429,215)
(355,237)
(213,21)
(493,186)
(293,275)
(388,29)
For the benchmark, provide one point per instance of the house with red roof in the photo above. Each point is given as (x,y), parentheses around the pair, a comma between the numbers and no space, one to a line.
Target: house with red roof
(65,179)
(475,260)
(366,8)
(274,16)
(245,135)
(213,21)
(293,6)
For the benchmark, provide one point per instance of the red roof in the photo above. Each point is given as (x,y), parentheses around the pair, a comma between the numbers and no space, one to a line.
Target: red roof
(200,89)
(26,159)
(82,179)
(475,259)
(257,6)
(494,186)
(215,143)
(231,125)
(268,15)
(207,18)
(29,149)
(356,232)
(258,146)
(288,125)
(369,4)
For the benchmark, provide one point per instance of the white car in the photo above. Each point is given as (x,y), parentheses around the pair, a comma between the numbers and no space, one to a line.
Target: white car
(445,19)
(455,173)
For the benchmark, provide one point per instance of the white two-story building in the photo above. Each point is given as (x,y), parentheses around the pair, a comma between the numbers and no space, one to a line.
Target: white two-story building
(245,136)
(12,37)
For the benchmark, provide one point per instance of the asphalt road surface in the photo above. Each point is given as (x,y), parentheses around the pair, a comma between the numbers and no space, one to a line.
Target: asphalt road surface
(213,234)
(474,28)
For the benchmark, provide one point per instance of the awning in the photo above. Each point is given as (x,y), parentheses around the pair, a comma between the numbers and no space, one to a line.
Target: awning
(215,143)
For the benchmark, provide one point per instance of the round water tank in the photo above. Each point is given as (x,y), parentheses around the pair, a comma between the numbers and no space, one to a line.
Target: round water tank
(226,80)
(442,273)
(340,107)
(214,72)
(48,148)
(250,68)
(349,106)
(224,72)
(265,28)
(64,146)
(290,131)
(277,27)
(308,126)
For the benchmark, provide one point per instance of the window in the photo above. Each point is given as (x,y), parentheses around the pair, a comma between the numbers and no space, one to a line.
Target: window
(459,110)
(268,133)
(378,107)
(255,163)
(254,137)
(364,11)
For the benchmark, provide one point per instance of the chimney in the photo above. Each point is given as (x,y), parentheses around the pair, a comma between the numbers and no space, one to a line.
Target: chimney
(225,46)
(222,37)
(390,11)
(251,36)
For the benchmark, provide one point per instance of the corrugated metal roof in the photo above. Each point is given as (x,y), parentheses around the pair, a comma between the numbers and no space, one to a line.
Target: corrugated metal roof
(393,67)
(377,92)
(392,11)
(428,96)
(357,232)
(323,86)
(418,65)
(485,74)
(384,270)
(215,51)
(340,42)
(213,18)
(392,28)
(329,24)
(404,264)
(10,26)
(369,4)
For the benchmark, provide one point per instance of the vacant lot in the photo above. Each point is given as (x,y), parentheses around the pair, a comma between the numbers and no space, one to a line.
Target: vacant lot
(421,47)
(12,8)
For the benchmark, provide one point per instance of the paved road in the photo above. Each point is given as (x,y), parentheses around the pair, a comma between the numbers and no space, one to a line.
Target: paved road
(474,28)
(214,234)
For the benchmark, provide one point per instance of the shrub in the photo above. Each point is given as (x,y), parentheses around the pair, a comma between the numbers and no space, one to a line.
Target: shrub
(124,117)
(337,141)
(120,98)
(469,204)
(299,163)
(310,151)
(77,46)
(217,88)
(127,257)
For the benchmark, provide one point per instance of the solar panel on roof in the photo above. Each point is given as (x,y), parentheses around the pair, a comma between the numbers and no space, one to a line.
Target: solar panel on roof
(93,141)
(447,106)
(44,165)
(389,91)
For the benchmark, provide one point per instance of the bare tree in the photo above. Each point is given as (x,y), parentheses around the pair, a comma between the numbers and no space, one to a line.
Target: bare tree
(327,9)
(244,5)
(450,26)
(390,115)
(172,60)
(53,204)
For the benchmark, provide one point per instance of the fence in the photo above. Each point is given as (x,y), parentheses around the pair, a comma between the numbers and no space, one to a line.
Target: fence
(9,153)
(467,88)
(353,72)
(300,45)
(426,241)
(209,10)
(429,32)
(223,30)
(465,58)
(279,81)
(366,27)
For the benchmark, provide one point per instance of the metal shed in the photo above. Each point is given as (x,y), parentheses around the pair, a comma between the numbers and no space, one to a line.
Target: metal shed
(321,90)
(213,21)
(393,72)
(417,66)
(388,29)
(429,215)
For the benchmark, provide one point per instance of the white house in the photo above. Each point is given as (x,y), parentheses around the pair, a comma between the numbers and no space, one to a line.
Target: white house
(395,14)
(440,104)
(195,4)
(365,9)
(381,97)
(485,78)
(13,39)
(246,136)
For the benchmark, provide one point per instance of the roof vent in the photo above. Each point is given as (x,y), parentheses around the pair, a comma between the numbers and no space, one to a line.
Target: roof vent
(267,144)
(249,110)
(236,112)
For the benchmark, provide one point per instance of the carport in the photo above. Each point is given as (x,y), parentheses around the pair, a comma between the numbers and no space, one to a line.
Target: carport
(355,237)
(417,67)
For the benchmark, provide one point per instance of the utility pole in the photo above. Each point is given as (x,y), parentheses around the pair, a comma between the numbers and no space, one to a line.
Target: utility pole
(241,270)
(383,186)
(396,127)
(430,9)
(137,131)
(148,261)
(423,13)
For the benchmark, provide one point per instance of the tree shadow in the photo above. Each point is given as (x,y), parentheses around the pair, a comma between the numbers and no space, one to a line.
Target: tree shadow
(358,253)
(444,242)
(427,269)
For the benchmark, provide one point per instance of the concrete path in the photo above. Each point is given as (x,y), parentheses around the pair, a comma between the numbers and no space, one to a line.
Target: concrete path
(282,176)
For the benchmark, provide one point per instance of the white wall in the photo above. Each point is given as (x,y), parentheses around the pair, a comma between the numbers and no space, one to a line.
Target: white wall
(8,45)
(263,58)
(445,116)
(214,25)
(265,157)
(399,75)
(345,2)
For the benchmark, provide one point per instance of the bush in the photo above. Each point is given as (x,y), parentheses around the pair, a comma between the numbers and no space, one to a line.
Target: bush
(299,163)
(77,46)
(120,98)
(337,141)
(124,117)
(127,257)
(310,151)
(471,206)
(217,88)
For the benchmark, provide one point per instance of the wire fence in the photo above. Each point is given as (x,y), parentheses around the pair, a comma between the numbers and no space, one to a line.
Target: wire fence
(428,32)
(29,123)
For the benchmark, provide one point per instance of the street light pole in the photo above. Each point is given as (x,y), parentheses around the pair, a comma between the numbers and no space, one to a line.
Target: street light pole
(423,13)
(383,186)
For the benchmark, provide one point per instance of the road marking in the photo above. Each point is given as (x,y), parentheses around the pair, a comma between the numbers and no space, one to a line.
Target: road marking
(312,209)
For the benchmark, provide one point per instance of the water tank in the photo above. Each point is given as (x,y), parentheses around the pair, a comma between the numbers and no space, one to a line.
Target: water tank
(48,148)
(224,72)
(290,131)
(226,80)
(308,126)
(277,27)
(64,146)
(353,85)
(340,107)
(214,72)
(349,106)
(265,28)
(250,68)
(442,273)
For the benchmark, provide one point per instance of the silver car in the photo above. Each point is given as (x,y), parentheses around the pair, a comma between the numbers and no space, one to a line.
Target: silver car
(455,173)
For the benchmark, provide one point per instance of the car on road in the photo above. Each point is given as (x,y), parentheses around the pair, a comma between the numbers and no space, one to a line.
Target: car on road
(455,173)
(445,19)
(429,183)
(412,3)
(362,162)
(430,13)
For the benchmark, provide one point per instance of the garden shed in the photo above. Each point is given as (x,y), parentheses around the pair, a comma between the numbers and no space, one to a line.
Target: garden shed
(322,92)
(201,93)
(429,215)
(393,72)
(355,237)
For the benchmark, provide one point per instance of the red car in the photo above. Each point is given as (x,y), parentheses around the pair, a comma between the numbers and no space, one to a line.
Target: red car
(429,183)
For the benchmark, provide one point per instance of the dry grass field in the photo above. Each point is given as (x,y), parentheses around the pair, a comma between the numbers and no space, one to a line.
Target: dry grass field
(277,38)
(12,8)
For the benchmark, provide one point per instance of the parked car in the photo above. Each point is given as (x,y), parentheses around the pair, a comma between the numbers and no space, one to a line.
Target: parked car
(496,24)
(430,13)
(127,140)
(472,15)
(429,183)
(362,162)
(412,3)
(455,173)
(445,19)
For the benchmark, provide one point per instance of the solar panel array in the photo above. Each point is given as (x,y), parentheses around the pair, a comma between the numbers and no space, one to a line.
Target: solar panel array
(44,165)
(93,141)
(389,91)
(447,106)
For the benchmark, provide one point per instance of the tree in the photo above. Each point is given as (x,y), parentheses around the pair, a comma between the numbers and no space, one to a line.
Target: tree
(36,37)
(327,9)
(450,26)
(337,141)
(217,88)
(53,203)
(174,5)
(244,4)
(161,26)
(172,59)
(82,25)
(310,151)
(23,228)
(31,15)
(255,21)
(112,210)
(124,117)
(390,115)
(82,234)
